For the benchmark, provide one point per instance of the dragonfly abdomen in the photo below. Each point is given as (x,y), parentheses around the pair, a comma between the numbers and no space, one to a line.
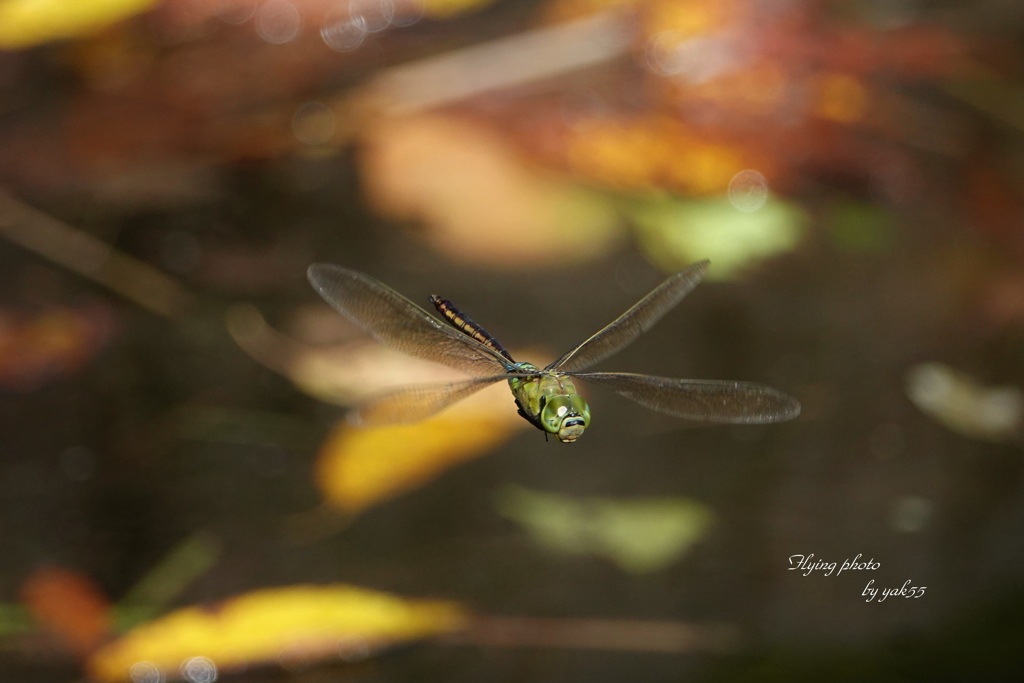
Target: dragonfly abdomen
(461,322)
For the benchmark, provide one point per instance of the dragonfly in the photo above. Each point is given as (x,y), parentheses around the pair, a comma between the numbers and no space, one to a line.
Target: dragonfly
(546,398)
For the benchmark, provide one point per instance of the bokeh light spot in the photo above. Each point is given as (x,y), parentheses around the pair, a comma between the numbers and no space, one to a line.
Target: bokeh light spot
(666,54)
(344,35)
(354,648)
(748,190)
(376,14)
(278,21)
(238,12)
(693,59)
(407,12)
(199,670)
(145,672)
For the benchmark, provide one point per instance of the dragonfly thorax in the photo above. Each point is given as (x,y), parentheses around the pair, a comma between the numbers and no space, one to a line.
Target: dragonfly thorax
(550,402)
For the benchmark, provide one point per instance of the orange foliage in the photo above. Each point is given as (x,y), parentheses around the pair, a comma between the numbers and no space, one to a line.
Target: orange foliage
(654,151)
(37,349)
(70,605)
(720,87)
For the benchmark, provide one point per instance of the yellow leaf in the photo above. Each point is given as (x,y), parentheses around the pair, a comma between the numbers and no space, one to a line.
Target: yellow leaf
(24,23)
(359,467)
(301,623)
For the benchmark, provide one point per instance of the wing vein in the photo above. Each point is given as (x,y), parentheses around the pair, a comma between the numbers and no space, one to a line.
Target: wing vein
(640,317)
(722,401)
(397,322)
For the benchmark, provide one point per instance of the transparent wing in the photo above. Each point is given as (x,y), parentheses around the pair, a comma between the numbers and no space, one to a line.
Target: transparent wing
(641,317)
(399,323)
(699,399)
(410,404)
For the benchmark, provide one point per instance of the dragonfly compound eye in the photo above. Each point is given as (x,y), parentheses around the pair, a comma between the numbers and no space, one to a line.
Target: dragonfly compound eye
(553,411)
(566,417)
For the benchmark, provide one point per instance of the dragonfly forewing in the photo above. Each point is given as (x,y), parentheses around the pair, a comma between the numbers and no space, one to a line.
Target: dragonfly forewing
(622,331)
(545,398)
(703,400)
(399,323)
(414,403)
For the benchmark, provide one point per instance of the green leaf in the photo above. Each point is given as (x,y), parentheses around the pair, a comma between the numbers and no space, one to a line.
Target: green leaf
(640,535)
(674,232)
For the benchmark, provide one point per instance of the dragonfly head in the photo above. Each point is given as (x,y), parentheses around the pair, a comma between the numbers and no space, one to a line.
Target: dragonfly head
(566,417)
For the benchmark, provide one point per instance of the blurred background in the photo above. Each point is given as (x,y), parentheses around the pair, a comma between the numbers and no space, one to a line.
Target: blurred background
(181,498)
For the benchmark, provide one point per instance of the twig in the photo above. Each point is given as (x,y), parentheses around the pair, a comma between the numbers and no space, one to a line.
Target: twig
(598,634)
(505,63)
(86,255)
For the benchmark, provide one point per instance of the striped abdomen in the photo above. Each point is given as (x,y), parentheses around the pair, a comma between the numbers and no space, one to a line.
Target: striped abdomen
(462,323)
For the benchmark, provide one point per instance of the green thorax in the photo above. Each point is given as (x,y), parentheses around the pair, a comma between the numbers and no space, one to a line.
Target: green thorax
(550,402)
